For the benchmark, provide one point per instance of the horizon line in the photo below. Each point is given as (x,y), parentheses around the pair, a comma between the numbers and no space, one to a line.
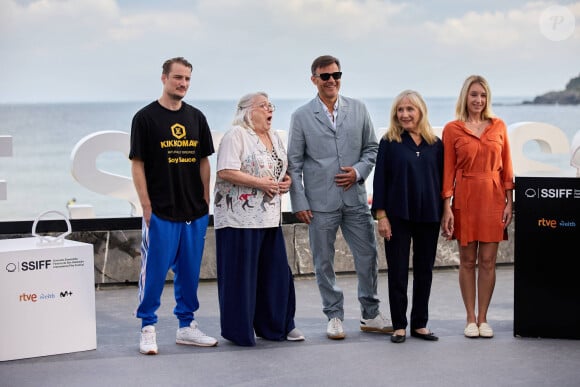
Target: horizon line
(523,98)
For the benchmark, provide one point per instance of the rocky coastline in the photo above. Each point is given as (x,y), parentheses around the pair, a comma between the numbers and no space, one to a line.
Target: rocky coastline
(569,96)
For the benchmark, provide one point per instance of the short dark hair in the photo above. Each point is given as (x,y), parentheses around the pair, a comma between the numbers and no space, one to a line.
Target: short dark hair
(323,61)
(179,59)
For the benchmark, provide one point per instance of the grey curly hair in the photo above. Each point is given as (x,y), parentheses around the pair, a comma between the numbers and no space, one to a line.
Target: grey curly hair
(243,115)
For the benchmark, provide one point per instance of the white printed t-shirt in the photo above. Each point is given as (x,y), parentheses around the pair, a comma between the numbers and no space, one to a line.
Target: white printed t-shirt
(240,206)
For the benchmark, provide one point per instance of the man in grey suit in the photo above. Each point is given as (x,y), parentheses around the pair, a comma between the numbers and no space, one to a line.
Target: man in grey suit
(332,149)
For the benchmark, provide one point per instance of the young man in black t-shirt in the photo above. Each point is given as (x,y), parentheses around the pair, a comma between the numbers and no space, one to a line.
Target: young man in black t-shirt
(170,145)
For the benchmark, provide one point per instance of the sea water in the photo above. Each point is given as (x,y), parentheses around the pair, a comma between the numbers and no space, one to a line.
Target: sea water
(38,174)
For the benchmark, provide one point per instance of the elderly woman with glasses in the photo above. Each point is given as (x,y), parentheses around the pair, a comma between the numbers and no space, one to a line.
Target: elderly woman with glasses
(255,283)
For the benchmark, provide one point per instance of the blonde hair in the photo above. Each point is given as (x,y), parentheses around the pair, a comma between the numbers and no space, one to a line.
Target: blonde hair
(396,130)
(461,112)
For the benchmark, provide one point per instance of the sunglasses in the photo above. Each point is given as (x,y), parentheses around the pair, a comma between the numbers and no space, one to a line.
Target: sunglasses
(326,76)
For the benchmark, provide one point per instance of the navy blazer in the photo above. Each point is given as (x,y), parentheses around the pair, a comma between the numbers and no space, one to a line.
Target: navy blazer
(316,151)
(408,178)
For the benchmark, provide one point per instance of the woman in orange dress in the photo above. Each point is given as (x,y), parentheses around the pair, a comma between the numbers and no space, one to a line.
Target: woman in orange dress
(477,194)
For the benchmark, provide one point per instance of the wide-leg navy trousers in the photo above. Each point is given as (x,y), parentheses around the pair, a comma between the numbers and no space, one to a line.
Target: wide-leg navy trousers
(255,285)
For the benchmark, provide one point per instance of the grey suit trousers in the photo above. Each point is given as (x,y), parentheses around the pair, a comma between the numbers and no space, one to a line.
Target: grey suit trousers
(357,227)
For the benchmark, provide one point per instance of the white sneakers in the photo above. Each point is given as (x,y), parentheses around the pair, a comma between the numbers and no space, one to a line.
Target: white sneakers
(295,335)
(378,324)
(148,342)
(334,329)
(192,335)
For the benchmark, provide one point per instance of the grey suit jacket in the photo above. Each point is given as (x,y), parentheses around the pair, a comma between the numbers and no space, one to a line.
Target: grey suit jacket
(316,151)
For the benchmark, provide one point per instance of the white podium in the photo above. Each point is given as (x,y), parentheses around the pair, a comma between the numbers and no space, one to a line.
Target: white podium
(47,297)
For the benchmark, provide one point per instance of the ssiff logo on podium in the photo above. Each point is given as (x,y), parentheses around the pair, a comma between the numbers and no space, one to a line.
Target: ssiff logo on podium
(47,297)
(547,216)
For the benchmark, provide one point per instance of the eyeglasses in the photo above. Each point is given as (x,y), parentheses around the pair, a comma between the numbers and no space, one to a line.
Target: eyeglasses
(267,106)
(326,76)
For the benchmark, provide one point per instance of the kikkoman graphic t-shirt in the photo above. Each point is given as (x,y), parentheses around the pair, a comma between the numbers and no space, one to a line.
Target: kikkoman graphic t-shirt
(171,144)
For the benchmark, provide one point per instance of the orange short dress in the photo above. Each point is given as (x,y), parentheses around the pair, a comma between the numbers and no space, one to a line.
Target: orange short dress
(476,174)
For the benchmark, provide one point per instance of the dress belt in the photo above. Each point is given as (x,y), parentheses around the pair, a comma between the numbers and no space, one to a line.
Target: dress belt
(465,189)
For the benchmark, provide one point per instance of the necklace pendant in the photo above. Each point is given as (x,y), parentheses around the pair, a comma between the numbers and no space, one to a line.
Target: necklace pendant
(418,153)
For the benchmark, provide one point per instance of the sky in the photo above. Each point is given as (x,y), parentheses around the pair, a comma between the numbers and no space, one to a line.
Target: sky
(112,50)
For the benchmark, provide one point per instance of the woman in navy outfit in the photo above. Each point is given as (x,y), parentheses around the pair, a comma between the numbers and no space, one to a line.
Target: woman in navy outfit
(408,208)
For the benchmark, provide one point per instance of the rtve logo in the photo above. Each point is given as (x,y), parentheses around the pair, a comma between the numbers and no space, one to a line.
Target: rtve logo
(553,223)
(34,297)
